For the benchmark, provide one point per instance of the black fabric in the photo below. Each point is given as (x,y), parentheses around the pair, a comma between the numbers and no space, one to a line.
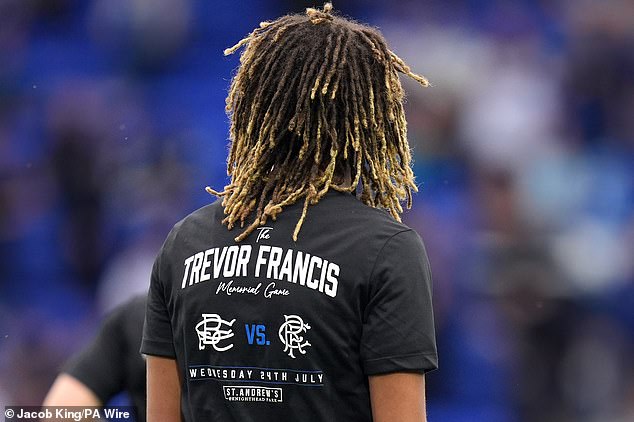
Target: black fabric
(352,299)
(111,363)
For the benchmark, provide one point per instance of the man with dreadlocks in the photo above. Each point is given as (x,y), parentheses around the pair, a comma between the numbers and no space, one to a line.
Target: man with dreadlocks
(300,295)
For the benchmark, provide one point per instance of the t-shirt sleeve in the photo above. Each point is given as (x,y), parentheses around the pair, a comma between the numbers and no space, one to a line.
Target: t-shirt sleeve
(100,366)
(157,329)
(398,325)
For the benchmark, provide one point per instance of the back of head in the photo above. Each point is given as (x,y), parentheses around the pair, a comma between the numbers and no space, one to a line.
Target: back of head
(315,105)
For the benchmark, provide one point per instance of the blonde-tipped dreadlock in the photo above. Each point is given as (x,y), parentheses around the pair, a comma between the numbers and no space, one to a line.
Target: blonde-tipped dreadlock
(315,105)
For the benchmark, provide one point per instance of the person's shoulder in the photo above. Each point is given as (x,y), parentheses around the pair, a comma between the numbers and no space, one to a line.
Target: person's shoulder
(133,308)
(125,322)
(197,220)
(344,219)
(133,303)
(201,215)
(349,210)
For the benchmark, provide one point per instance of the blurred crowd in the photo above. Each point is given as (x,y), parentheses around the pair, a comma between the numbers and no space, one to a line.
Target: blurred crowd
(112,122)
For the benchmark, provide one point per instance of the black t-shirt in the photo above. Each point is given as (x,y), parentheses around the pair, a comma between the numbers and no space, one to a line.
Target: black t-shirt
(112,363)
(269,329)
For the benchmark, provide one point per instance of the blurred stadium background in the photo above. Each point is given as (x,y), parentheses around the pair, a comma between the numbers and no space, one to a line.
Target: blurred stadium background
(112,122)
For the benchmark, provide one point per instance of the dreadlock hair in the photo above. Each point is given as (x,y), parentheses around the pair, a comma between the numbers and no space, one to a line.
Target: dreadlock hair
(316,104)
